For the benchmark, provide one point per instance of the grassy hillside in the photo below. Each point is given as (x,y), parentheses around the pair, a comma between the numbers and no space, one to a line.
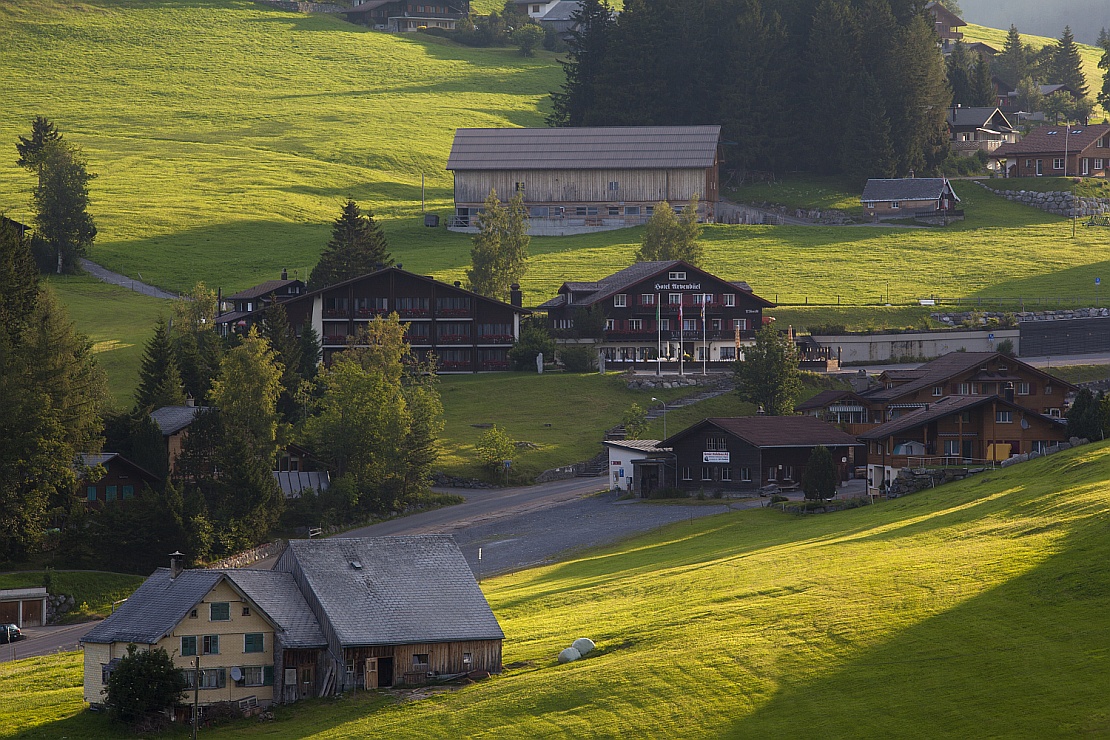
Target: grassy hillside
(93,591)
(975,605)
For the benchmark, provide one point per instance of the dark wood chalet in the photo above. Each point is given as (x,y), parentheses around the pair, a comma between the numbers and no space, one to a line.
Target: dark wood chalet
(400,16)
(956,431)
(232,309)
(394,610)
(122,479)
(466,331)
(979,128)
(743,454)
(576,180)
(947,25)
(657,311)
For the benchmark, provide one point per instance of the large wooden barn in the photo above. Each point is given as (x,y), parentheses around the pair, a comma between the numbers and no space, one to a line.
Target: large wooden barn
(577,180)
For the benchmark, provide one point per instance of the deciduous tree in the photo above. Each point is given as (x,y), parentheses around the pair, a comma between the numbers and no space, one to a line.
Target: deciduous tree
(527,38)
(672,236)
(768,375)
(499,251)
(357,246)
(494,447)
(63,226)
(197,347)
(635,421)
(144,682)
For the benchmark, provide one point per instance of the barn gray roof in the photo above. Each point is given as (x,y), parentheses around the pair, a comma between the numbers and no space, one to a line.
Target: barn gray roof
(908,188)
(977,116)
(159,605)
(171,419)
(617,147)
(402,590)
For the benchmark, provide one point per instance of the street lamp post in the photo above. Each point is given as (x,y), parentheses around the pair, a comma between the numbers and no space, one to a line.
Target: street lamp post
(653,398)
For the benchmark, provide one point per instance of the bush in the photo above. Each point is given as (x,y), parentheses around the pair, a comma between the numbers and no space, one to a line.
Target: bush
(579,359)
(144,683)
(1006,347)
(534,339)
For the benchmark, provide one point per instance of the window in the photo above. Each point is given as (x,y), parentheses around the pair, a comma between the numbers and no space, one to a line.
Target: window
(252,675)
(952,447)
(1098,163)
(246,611)
(729,299)
(964,389)
(1029,163)
(686,474)
(676,275)
(1048,390)
(746,475)
(632,210)
(129,492)
(1022,389)
(253,642)
(728,353)
(895,204)
(189,645)
(965,417)
(420,661)
(614,210)
(90,493)
(563,324)
(614,185)
(664,324)
(726,474)
(1058,163)
(219,611)
(468,658)
(193,614)
(110,493)
(647,299)
(538,211)
(620,300)
(610,324)
(535,8)
(649,210)
(585,211)
(1086,166)
(635,324)
(772,473)
(716,443)
(213,678)
(689,325)
(870,204)
(1004,417)
(741,324)
(701,299)
(674,299)
(706,473)
(519,186)
(715,324)
(1040,446)
(210,645)
(788,472)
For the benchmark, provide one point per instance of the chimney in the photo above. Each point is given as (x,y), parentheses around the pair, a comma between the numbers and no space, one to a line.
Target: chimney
(175,564)
(190,401)
(458,284)
(515,296)
(911,174)
(284,274)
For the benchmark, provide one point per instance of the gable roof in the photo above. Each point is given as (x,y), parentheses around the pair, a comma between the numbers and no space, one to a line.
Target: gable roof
(824,398)
(906,188)
(978,116)
(946,367)
(262,289)
(639,445)
(588,148)
(941,408)
(940,11)
(775,431)
(172,419)
(277,595)
(404,589)
(1052,139)
(563,10)
(104,458)
(628,277)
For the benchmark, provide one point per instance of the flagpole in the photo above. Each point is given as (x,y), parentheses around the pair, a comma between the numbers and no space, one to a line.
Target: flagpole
(681,338)
(704,338)
(658,339)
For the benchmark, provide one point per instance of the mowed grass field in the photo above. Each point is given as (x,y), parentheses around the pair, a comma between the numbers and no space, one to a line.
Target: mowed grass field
(976,608)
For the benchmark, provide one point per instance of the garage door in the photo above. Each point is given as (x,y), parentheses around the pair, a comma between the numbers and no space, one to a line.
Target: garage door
(9,612)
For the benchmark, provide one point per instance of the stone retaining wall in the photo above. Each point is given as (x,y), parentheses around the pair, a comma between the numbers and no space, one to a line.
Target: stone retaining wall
(962,317)
(642,382)
(249,557)
(1059,203)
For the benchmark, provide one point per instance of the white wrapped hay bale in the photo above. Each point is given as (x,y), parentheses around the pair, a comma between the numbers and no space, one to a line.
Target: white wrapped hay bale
(569,655)
(583,645)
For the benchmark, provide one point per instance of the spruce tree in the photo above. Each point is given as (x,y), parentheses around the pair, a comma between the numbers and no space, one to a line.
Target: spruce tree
(832,58)
(867,149)
(982,88)
(357,247)
(32,149)
(1012,65)
(820,478)
(287,351)
(63,226)
(160,381)
(959,74)
(593,24)
(1067,66)
(1104,64)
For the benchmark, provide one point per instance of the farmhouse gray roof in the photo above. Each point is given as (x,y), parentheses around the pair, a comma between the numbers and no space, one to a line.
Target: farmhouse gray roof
(562,11)
(277,595)
(908,188)
(617,147)
(978,116)
(396,590)
(171,419)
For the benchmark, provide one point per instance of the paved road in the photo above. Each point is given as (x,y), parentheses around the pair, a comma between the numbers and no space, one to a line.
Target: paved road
(107,276)
(46,641)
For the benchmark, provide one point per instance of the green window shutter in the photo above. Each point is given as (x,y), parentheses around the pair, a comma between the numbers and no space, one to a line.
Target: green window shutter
(129,491)
(268,675)
(253,642)
(220,611)
(110,493)
(90,493)
(189,645)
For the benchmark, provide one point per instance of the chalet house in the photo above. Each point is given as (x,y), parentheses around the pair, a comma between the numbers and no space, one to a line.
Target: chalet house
(846,409)
(957,430)
(577,180)
(233,308)
(910,197)
(466,332)
(656,312)
(1058,151)
(17,227)
(332,615)
(963,374)
(1007,94)
(394,610)
(400,16)
(947,25)
(174,422)
(553,14)
(742,454)
(121,481)
(623,453)
(975,129)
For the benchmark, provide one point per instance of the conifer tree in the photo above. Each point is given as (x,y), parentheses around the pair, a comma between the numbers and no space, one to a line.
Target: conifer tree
(63,226)
(867,150)
(1067,66)
(593,24)
(32,149)
(832,57)
(160,381)
(287,351)
(308,352)
(357,247)
(959,74)
(1012,65)
(982,88)
(1104,64)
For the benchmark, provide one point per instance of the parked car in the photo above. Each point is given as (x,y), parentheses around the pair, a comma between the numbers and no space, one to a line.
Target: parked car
(10,633)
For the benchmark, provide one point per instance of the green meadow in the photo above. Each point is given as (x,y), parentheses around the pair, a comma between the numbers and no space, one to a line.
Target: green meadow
(93,591)
(973,609)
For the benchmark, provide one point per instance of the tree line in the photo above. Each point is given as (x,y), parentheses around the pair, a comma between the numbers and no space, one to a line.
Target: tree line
(832,86)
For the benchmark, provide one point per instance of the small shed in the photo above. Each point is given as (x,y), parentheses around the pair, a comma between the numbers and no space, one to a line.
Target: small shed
(623,454)
(23,607)
(909,197)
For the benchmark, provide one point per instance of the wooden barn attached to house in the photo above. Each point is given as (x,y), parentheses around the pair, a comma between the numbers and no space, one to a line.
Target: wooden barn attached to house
(395,610)
(910,197)
(577,180)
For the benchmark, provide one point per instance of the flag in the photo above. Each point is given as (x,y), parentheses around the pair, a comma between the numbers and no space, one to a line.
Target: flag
(680,325)
(703,314)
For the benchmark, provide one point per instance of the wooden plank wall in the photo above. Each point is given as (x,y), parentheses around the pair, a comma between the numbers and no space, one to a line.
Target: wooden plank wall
(583,186)
(443,657)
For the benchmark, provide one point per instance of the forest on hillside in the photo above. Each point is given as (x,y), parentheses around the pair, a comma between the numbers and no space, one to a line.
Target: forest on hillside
(832,86)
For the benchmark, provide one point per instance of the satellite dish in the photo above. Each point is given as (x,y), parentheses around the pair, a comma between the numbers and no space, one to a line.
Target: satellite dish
(236,674)
(1024,423)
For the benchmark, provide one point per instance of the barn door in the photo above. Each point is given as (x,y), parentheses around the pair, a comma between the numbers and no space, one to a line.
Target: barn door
(371,673)
(308,681)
